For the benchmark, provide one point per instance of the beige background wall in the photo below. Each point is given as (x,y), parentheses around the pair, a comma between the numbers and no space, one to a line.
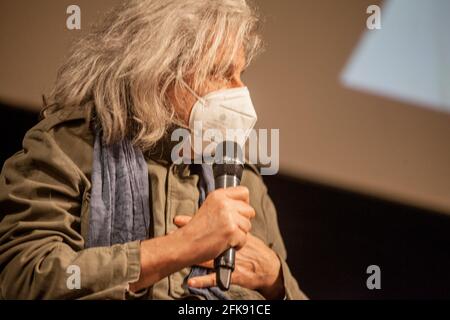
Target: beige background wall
(329,133)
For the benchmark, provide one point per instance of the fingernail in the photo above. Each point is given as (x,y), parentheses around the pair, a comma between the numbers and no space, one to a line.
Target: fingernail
(192,283)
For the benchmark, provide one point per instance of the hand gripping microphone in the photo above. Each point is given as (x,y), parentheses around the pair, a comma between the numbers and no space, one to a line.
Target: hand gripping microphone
(228,168)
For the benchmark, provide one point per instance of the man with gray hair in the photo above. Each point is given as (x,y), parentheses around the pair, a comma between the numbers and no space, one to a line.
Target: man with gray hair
(95,187)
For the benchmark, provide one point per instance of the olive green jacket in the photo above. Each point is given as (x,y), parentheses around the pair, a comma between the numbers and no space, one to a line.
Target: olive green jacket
(44,216)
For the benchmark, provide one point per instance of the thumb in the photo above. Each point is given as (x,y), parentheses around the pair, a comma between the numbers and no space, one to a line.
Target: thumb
(181,220)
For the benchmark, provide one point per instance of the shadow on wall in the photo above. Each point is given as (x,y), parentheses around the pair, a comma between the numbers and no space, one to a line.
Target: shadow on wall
(332,236)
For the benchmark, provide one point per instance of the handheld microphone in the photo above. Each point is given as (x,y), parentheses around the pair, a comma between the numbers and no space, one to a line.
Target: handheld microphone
(228,169)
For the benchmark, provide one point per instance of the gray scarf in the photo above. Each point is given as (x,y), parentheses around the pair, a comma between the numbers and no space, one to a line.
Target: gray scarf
(119,207)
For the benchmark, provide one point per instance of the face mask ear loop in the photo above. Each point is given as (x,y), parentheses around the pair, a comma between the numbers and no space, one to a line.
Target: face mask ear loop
(193,92)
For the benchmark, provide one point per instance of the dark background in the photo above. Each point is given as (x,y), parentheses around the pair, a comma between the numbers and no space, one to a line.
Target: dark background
(332,235)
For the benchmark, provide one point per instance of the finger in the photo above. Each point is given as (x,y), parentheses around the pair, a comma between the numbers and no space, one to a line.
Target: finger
(244,223)
(203,281)
(208,264)
(239,240)
(245,209)
(181,220)
(210,280)
(238,193)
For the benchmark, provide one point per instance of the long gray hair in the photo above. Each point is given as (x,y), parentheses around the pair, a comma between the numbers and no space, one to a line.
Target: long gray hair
(127,64)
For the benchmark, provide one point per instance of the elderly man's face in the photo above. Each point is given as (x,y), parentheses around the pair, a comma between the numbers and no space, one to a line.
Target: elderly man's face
(232,79)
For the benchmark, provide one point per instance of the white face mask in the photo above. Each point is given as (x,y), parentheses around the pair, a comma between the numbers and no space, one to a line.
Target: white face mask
(220,111)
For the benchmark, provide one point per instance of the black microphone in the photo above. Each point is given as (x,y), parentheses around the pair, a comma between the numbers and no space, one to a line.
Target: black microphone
(228,169)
